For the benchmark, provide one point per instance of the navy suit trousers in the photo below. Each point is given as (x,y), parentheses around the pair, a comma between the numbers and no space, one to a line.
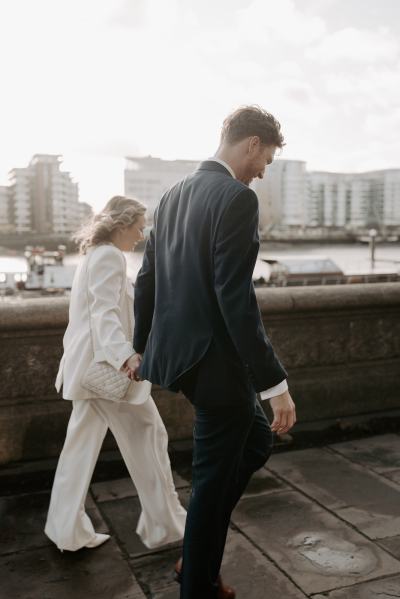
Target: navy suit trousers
(231,442)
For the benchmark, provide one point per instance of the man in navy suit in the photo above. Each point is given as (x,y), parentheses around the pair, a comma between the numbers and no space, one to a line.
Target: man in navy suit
(198,330)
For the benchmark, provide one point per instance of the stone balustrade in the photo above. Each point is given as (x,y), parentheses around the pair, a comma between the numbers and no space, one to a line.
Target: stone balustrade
(340,345)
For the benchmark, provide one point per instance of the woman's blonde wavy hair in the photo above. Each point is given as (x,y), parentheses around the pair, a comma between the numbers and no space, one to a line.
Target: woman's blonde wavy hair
(118,213)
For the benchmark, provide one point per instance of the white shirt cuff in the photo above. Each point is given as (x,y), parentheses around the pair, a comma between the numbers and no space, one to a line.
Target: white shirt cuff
(274,391)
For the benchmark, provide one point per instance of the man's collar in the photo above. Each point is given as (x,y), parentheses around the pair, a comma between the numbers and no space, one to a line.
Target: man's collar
(224,164)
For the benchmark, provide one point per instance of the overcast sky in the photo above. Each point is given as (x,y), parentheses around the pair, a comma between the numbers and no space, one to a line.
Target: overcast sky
(98,80)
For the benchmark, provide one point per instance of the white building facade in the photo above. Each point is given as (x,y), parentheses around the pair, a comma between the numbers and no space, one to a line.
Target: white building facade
(282,194)
(290,198)
(5,226)
(391,197)
(328,199)
(43,199)
(85,212)
(354,201)
(20,200)
(147,179)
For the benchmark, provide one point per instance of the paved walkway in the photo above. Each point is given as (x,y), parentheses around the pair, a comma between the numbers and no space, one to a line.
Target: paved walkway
(320,523)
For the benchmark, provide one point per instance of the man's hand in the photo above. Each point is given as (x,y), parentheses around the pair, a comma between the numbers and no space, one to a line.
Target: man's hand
(284,413)
(131,367)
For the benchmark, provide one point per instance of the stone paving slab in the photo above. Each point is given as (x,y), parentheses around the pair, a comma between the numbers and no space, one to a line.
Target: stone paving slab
(392,545)
(123,511)
(22,520)
(319,551)
(123,515)
(26,477)
(264,481)
(47,573)
(286,543)
(386,588)
(244,567)
(124,487)
(361,497)
(166,594)
(394,476)
(252,575)
(380,453)
(23,517)
(155,572)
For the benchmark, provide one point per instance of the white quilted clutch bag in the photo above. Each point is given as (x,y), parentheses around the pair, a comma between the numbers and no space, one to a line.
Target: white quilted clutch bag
(106,382)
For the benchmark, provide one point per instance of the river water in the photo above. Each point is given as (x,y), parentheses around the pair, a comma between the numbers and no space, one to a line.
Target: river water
(351,258)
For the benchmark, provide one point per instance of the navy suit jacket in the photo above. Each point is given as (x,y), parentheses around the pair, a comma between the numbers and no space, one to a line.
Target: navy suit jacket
(195,283)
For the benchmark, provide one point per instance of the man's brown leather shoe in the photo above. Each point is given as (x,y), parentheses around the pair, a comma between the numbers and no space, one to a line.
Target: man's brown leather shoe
(224,592)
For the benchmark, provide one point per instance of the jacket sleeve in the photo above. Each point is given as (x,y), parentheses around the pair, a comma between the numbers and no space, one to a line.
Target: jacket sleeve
(106,275)
(235,254)
(145,295)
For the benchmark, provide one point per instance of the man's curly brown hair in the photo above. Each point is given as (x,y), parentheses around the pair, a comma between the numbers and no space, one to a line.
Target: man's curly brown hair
(247,121)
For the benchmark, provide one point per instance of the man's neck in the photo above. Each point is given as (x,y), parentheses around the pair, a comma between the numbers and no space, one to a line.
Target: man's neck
(225,165)
(227,159)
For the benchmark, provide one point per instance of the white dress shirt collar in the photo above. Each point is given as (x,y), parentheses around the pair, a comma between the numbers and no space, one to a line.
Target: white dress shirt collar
(225,164)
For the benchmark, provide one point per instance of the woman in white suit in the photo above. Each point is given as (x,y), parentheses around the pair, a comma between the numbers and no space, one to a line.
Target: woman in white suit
(101,326)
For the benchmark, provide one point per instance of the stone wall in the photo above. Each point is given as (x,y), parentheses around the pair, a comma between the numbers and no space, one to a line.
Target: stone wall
(340,345)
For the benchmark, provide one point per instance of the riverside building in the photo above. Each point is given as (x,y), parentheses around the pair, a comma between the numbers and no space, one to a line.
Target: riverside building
(291,199)
(148,178)
(43,199)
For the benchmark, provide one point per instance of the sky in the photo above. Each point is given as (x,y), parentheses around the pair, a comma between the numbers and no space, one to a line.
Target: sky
(98,80)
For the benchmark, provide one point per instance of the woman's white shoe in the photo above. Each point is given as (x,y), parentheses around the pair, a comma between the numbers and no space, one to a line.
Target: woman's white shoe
(99,539)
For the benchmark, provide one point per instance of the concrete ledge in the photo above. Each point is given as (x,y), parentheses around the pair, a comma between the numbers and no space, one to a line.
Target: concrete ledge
(340,345)
(34,314)
(52,312)
(327,298)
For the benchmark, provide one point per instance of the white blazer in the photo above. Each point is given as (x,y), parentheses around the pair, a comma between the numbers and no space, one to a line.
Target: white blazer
(100,278)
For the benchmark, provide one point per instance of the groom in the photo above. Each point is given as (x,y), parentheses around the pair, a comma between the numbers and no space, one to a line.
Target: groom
(199,330)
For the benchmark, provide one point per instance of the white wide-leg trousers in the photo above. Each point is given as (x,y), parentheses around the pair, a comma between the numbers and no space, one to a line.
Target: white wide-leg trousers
(142,439)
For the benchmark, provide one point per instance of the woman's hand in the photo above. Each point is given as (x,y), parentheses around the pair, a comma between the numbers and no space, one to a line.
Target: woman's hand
(131,366)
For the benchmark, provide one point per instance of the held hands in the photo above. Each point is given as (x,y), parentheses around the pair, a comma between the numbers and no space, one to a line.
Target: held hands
(284,413)
(131,367)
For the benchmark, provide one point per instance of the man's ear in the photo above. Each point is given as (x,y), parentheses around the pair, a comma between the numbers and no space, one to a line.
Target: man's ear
(253,143)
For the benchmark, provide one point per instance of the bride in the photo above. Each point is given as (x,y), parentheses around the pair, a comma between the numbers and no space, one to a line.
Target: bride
(101,325)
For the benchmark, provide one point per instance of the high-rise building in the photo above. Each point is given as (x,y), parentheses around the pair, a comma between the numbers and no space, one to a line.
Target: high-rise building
(387,193)
(148,178)
(5,225)
(354,200)
(360,205)
(290,198)
(43,198)
(328,196)
(85,212)
(20,200)
(282,194)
